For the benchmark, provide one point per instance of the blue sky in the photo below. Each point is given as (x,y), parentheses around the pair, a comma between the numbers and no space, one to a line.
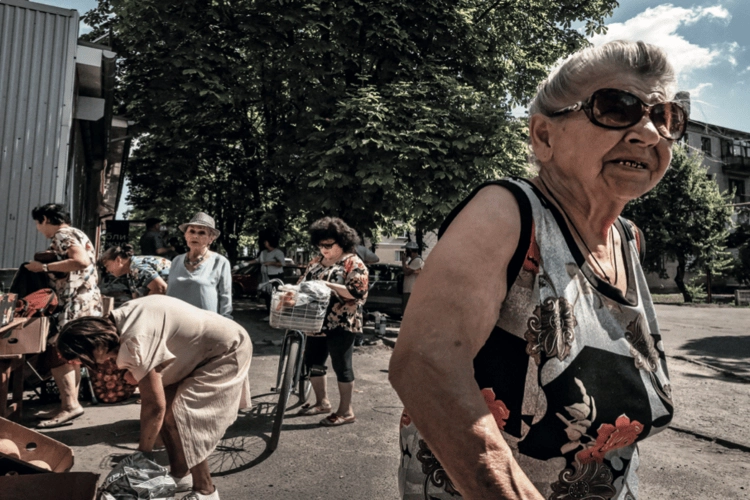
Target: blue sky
(708,42)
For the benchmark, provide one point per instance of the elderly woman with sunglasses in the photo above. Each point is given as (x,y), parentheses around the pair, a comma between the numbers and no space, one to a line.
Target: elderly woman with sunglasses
(201,277)
(346,275)
(536,374)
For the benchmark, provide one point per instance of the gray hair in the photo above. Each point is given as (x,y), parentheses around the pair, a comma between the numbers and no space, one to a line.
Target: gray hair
(563,86)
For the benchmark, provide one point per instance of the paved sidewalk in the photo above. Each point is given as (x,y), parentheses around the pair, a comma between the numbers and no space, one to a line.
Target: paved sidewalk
(359,461)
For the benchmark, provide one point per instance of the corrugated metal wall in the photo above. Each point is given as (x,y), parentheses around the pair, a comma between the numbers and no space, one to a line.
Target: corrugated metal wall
(37,76)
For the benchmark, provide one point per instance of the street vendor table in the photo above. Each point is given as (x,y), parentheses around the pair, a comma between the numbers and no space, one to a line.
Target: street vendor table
(11,365)
(11,369)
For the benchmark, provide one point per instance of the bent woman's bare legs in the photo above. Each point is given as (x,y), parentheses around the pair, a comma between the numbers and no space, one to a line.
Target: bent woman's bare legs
(177,462)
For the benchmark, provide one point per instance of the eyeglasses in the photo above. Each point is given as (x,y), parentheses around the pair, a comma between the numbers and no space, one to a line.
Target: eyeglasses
(618,109)
(327,246)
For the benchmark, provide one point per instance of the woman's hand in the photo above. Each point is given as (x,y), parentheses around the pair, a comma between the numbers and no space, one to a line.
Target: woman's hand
(35,266)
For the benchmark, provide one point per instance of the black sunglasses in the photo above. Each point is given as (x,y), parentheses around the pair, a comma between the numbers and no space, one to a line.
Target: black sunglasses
(327,246)
(618,109)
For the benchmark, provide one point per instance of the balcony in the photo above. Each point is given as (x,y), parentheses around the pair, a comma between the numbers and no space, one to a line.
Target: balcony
(736,165)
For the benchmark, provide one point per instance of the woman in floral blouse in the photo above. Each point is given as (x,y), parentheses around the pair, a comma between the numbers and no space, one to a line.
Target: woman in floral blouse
(78,293)
(147,275)
(346,275)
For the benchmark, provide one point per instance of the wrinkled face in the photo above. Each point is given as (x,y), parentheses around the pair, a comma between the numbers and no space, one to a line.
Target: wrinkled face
(117,266)
(198,237)
(330,249)
(625,163)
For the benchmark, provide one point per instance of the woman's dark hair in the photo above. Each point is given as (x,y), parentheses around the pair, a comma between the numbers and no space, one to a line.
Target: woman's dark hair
(336,229)
(270,236)
(54,212)
(79,338)
(123,251)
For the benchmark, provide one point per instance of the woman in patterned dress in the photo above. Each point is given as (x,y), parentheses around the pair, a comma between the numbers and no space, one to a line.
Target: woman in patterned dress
(77,293)
(530,360)
(147,274)
(347,276)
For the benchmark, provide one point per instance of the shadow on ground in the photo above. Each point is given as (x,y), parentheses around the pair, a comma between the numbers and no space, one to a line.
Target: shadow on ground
(731,353)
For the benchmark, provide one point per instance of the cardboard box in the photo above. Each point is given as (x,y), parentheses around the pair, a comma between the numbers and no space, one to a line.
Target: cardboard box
(22,480)
(68,486)
(27,339)
(34,446)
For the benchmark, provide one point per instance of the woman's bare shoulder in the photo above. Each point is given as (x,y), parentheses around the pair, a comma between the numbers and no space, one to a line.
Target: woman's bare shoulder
(489,225)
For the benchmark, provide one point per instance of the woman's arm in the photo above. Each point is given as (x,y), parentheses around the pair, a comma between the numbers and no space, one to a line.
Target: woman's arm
(340,290)
(157,286)
(224,289)
(77,260)
(153,409)
(355,282)
(453,308)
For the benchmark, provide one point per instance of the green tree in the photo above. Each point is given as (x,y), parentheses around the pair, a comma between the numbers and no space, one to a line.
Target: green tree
(287,110)
(685,219)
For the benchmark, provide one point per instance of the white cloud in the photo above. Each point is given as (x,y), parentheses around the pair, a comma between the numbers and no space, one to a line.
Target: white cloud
(696,92)
(659,25)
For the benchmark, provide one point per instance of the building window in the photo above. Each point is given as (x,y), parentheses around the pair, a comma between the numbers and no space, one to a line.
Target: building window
(685,139)
(737,186)
(736,150)
(399,255)
(706,145)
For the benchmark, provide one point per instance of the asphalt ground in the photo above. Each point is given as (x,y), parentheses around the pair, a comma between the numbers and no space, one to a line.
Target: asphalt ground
(705,454)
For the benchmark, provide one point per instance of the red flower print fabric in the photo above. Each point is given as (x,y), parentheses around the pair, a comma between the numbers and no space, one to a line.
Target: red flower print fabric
(611,437)
(497,408)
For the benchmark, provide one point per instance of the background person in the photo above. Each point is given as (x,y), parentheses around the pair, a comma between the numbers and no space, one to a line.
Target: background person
(78,294)
(412,264)
(530,361)
(346,275)
(152,242)
(191,368)
(147,274)
(201,277)
(271,259)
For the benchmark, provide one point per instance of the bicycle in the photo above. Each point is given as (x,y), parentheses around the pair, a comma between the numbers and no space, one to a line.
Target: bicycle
(291,375)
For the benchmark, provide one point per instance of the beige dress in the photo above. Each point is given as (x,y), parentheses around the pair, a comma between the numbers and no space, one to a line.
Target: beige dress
(207,355)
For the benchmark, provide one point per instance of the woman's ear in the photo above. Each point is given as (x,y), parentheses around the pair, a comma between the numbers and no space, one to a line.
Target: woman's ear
(539,134)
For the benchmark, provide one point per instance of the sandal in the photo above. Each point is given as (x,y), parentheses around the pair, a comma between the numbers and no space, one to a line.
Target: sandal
(334,420)
(308,409)
(64,419)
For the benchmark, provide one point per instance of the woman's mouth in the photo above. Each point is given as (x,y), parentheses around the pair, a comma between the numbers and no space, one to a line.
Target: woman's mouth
(632,164)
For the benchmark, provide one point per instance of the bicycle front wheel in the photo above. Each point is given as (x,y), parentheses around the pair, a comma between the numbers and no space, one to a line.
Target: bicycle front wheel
(287,381)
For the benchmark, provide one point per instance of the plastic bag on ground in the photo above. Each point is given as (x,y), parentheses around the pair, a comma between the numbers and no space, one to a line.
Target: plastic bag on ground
(137,477)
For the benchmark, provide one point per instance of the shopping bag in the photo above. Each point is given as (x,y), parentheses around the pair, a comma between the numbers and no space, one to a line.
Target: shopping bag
(137,477)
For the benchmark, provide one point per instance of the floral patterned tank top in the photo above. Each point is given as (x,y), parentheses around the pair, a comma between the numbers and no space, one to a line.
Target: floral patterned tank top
(574,371)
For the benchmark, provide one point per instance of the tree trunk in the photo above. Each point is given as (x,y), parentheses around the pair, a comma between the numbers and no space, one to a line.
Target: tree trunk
(679,279)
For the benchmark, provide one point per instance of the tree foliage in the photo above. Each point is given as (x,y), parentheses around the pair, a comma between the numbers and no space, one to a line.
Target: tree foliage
(685,219)
(281,111)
